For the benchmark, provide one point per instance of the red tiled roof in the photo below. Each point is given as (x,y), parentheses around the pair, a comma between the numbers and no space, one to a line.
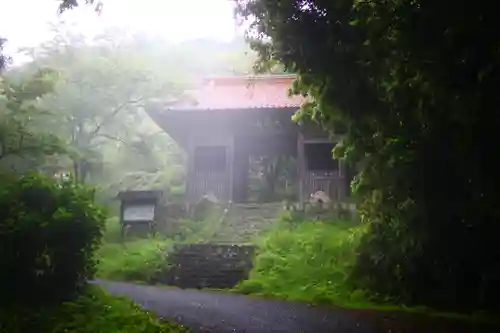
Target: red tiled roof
(243,92)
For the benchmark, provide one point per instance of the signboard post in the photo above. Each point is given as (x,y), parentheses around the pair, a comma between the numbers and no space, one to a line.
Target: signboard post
(138,209)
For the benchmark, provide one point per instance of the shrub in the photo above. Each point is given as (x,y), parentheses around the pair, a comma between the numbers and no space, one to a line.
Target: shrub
(311,261)
(48,232)
(139,260)
(336,213)
(144,259)
(93,312)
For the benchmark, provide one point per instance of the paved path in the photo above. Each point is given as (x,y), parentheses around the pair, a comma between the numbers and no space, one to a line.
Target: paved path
(218,312)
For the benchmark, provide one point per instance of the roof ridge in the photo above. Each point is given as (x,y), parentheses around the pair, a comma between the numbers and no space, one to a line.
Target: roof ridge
(239,92)
(245,78)
(253,76)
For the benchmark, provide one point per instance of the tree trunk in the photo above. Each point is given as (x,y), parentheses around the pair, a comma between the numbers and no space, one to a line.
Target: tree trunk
(80,171)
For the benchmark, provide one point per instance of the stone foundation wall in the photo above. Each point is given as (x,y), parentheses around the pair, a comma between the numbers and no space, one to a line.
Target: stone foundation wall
(208,265)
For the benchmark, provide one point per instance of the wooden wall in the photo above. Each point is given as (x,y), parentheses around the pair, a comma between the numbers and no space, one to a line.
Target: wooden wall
(220,183)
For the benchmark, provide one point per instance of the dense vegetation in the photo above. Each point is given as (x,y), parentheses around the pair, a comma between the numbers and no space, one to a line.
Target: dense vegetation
(49,231)
(143,259)
(307,261)
(409,82)
(136,259)
(95,93)
(93,311)
(90,96)
(412,82)
(51,223)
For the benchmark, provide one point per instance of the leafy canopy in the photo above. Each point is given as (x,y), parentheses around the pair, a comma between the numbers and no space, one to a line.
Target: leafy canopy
(21,142)
(414,83)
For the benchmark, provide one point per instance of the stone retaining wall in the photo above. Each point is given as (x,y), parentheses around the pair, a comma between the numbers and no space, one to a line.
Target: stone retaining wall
(208,265)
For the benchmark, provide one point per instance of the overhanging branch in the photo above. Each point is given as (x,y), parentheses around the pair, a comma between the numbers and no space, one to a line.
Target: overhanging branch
(112,115)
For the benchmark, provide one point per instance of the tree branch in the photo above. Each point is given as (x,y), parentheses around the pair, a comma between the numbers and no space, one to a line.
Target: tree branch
(110,137)
(112,115)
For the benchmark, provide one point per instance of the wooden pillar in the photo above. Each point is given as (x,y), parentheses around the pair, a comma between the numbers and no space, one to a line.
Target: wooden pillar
(244,176)
(190,177)
(301,166)
(231,167)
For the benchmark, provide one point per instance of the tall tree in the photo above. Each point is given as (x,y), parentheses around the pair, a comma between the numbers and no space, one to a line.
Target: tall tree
(98,98)
(4,60)
(22,145)
(413,82)
(103,84)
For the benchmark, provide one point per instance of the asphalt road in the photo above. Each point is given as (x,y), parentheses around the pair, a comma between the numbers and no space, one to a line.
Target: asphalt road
(219,312)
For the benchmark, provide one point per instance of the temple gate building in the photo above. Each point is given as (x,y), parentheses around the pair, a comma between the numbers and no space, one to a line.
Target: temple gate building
(233,118)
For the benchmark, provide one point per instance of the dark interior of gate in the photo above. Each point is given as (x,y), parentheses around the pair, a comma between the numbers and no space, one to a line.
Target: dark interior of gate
(235,121)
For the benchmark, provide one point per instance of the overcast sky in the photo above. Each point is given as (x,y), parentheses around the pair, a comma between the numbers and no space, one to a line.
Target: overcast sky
(25,22)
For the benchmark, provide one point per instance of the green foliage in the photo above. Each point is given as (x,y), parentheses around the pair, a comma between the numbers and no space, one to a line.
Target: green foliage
(4,60)
(293,217)
(97,101)
(139,260)
(308,261)
(70,4)
(130,259)
(94,311)
(48,232)
(143,259)
(22,145)
(100,96)
(310,211)
(413,83)
(112,231)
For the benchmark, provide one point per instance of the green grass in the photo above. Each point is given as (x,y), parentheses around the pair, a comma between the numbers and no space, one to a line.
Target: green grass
(93,312)
(138,260)
(312,262)
(142,259)
(309,262)
(112,231)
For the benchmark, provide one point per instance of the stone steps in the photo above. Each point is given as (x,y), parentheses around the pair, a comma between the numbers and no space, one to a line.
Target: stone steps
(244,222)
(207,265)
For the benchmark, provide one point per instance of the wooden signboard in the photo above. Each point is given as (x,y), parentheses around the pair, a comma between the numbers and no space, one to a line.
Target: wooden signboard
(138,208)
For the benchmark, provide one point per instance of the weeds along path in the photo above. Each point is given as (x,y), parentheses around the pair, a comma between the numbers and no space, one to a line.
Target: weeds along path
(218,312)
